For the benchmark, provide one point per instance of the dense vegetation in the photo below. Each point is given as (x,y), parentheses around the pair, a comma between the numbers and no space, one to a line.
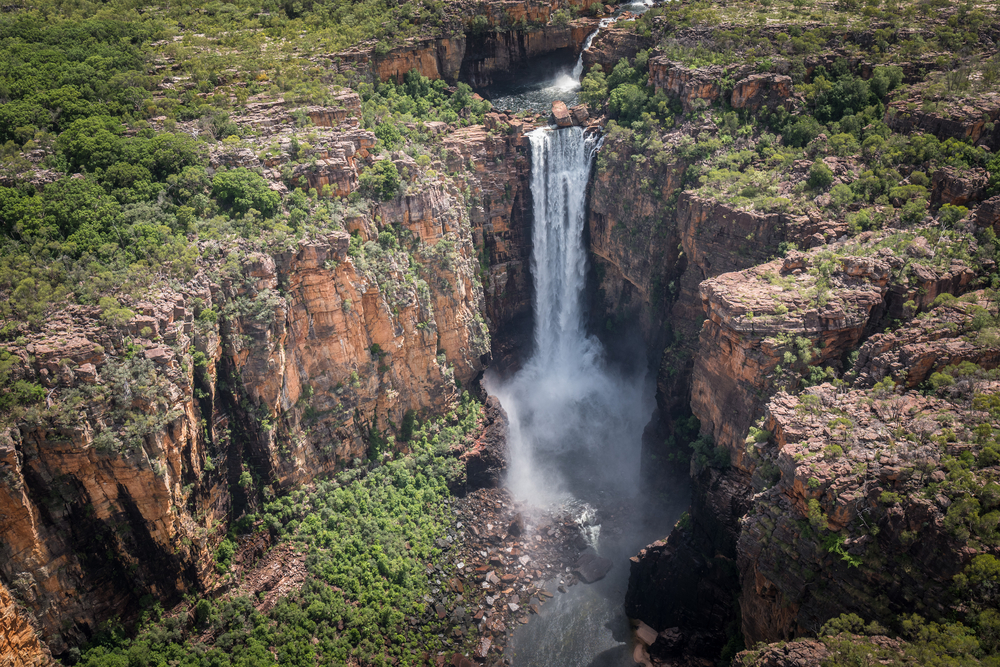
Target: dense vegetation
(372,539)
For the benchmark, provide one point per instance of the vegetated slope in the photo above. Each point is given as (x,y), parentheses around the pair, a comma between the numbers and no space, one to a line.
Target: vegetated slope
(864,135)
(231,263)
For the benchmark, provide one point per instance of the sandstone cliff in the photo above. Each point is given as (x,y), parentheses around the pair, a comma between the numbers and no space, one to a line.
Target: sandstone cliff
(267,368)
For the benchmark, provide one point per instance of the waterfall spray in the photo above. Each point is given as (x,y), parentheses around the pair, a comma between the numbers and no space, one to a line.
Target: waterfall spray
(575,423)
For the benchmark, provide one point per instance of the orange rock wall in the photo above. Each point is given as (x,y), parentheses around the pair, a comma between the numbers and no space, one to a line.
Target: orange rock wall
(19,646)
(314,349)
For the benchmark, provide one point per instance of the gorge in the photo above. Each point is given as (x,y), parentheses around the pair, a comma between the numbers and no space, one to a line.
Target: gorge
(313,355)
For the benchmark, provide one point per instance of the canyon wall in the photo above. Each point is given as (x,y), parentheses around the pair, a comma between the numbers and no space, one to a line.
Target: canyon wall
(496,39)
(162,427)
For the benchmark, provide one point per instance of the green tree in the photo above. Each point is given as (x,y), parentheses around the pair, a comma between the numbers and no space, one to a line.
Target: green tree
(380,181)
(241,190)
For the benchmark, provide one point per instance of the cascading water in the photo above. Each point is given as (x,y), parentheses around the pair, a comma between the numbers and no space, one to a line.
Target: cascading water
(575,424)
(578,68)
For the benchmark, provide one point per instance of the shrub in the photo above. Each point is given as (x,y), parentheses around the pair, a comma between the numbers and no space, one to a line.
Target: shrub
(241,190)
(820,175)
(627,102)
(949,215)
(841,195)
(802,131)
(560,17)
(380,181)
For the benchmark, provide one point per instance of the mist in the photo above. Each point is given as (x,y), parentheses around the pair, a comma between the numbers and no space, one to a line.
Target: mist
(576,422)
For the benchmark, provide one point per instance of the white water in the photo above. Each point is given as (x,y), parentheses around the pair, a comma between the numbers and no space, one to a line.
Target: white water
(578,68)
(575,423)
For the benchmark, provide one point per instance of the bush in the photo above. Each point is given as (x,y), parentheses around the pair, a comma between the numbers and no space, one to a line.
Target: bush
(802,131)
(388,134)
(241,190)
(560,17)
(627,102)
(841,195)
(949,215)
(820,175)
(380,181)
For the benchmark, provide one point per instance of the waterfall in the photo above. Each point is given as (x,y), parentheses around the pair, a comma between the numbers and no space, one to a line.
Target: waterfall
(578,68)
(560,162)
(575,423)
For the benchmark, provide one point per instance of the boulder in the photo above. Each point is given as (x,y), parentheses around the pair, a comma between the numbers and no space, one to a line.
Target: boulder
(591,567)
(486,460)
(516,527)
(580,114)
(988,213)
(560,114)
(958,188)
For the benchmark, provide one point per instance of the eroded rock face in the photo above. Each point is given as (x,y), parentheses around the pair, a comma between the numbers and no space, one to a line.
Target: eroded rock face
(836,467)
(612,44)
(279,369)
(500,180)
(988,213)
(762,91)
(950,186)
(19,645)
(478,58)
(686,84)
(759,321)
(974,121)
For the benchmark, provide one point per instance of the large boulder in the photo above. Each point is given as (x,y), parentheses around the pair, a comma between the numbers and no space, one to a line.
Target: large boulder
(958,188)
(561,114)
(486,460)
(591,567)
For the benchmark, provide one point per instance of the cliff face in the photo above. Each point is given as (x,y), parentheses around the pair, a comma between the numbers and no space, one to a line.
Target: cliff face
(510,34)
(634,238)
(612,44)
(18,642)
(265,369)
(500,214)
(767,330)
(496,56)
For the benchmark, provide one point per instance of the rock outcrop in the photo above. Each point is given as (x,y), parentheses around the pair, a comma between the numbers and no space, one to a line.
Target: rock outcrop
(974,121)
(612,44)
(486,460)
(759,91)
(695,88)
(762,325)
(19,643)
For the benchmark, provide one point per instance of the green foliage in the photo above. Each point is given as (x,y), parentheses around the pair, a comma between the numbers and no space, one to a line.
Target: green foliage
(242,190)
(820,175)
(949,215)
(224,554)
(370,538)
(817,518)
(380,181)
(707,454)
(801,131)
(834,544)
(627,102)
